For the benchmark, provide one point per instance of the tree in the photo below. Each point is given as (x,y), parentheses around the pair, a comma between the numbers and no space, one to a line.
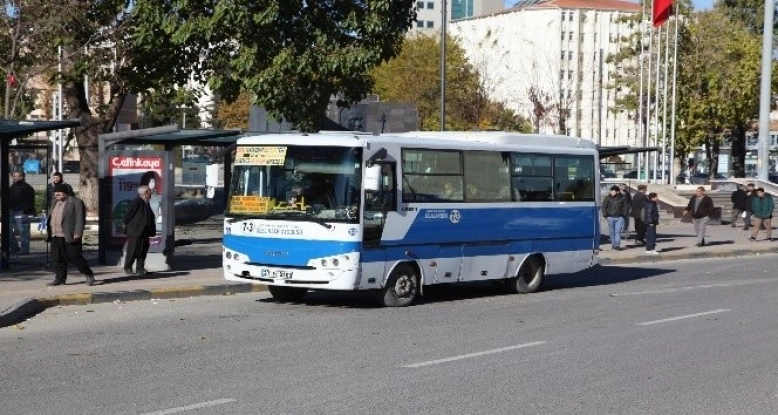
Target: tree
(414,77)
(748,12)
(25,52)
(234,114)
(292,56)
(718,85)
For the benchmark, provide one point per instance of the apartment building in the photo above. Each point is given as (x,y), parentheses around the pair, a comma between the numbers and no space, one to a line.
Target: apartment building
(429,17)
(546,59)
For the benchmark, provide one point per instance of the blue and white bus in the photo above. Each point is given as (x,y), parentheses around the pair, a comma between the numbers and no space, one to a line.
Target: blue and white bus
(396,213)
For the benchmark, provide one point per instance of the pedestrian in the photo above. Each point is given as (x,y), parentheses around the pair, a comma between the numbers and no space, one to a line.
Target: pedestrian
(750,195)
(56,178)
(613,207)
(738,199)
(21,204)
(65,228)
(628,202)
(762,214)
(701,209)
(650,218)
(636,212)
(139,226)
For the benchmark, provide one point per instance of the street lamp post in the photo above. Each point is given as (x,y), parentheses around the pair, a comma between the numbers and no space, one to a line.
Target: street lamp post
(763,161)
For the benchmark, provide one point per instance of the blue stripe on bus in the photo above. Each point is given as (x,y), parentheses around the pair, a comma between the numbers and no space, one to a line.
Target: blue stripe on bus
(434,226)
(291,252)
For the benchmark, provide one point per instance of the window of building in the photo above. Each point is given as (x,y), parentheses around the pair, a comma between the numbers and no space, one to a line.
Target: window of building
(419,4)
(561,75)
(420,23)
(430,24)
(564,14)
(562,56)
(570,35)
(570,75)
(430,5)
(570,55)
(570,16)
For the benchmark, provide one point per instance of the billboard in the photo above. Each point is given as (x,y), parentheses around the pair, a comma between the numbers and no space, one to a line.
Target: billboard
(127,171)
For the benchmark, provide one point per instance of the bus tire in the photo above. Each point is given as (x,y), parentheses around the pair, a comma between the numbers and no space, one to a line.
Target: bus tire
(287,294)
(401,287)
(529,278)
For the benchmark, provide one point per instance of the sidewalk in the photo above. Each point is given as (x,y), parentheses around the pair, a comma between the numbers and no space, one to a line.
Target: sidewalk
(196,270)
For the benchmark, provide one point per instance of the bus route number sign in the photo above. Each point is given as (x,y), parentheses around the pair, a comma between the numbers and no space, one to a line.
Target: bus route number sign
(260,155)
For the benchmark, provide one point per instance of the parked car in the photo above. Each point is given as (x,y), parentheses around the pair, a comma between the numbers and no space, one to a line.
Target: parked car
(702,178)
(70,166)
(607,174)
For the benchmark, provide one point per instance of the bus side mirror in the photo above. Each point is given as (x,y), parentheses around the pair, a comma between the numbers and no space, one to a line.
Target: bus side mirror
(373,178)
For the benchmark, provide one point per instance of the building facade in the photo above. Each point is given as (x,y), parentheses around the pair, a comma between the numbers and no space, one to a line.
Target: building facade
(429,16)
(547,60)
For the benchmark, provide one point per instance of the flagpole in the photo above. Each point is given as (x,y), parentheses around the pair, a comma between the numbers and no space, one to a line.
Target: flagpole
(664,104)
(672,116)
(656,97)
(641,122)
(648,96)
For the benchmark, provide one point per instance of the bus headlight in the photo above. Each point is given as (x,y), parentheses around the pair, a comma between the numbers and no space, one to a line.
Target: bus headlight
(324,262)
(335,262)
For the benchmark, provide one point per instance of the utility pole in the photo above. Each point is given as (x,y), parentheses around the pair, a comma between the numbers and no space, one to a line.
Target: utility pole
(763,161)
(443,67)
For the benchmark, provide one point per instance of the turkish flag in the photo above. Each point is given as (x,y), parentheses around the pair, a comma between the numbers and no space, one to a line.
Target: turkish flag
(662,11)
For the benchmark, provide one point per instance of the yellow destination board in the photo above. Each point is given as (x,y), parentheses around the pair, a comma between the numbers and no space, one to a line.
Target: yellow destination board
(260,155)
(251,204)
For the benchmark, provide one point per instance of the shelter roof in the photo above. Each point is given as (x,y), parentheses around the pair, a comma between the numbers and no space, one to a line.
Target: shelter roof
(172,135)
(10,129)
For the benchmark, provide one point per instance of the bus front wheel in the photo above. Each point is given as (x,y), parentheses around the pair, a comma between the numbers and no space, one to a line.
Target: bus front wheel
(287,294)
(529,277)
(401,288)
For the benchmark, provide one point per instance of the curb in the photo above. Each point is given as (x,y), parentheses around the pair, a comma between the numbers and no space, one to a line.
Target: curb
(30,307)
(663,257)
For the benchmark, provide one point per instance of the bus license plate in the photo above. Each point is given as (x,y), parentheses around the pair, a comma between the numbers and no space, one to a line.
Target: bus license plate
(282,275)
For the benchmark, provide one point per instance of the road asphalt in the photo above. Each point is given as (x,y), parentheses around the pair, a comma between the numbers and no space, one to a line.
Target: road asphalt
(196,270)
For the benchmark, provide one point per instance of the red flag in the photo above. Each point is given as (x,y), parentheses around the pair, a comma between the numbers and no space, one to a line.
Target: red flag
(11,79)
(662,10)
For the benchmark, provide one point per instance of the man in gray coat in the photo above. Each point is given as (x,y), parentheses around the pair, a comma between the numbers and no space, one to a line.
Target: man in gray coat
(65,226)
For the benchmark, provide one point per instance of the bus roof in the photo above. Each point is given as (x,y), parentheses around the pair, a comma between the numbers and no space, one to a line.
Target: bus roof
(435,139)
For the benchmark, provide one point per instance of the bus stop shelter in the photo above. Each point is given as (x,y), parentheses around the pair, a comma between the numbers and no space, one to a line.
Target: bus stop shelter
(10,130)
(167,137)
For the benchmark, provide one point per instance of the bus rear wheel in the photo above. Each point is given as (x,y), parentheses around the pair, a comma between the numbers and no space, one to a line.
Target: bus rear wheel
(401,288)
(287,294)
(529,278)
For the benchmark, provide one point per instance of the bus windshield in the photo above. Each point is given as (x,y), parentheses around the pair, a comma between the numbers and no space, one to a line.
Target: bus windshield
(296,182)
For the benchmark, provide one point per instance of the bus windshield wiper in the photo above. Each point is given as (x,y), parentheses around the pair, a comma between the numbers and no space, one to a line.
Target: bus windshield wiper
(296,214)
(235,218)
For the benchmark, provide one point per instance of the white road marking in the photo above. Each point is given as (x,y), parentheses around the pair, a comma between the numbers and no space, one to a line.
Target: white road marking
(707,313)
(191,407)
(697,287)
(469,355)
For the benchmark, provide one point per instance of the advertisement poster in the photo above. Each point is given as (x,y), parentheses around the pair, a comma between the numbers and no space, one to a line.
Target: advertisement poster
(127,173)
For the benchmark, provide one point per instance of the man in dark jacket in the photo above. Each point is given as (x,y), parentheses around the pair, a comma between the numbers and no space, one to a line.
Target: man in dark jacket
(627,205)
(738,199)
(762,207)
(614,208)
(750,195)
(701,208)
(21,204)
(65,228)
(56,178)
(139,226)
(636,211)
(651,220)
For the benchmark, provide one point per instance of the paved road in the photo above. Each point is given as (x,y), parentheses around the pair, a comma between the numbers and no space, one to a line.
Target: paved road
(686,337)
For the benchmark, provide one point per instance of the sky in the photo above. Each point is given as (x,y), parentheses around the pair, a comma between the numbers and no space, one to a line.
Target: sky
(698,4)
